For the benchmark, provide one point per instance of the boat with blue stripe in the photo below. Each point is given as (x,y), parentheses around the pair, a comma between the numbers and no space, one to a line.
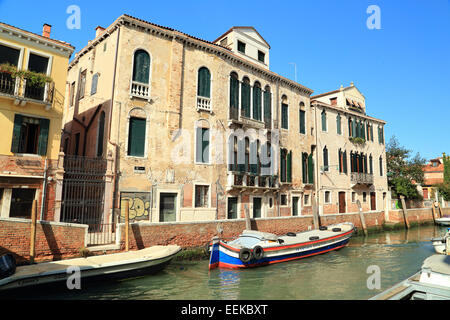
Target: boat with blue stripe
(255,248)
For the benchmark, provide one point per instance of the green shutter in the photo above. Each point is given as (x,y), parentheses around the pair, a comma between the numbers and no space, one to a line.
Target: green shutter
(345,162)
(302,122)
(234,94)
(245,99)
(340,161)
(305,168)
(324,121)
(16,133)
(267,107)
(338,124)
(371,133)
(354,132)
(282,165)
(136,137)
(284,116)
(289,167)
(311,169)
(256,103)
(204,83)
(43,136)
(325,159)
(141,69)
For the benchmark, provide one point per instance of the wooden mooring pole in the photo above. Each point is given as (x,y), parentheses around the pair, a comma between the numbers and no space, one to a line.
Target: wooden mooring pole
(248,221)
(33,232)
(434,212)
(127,225)
(361,217)
(405,212)
(441,214)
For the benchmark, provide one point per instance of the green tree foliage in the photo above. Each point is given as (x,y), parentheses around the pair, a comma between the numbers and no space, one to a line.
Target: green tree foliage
(444,188)
(403,170)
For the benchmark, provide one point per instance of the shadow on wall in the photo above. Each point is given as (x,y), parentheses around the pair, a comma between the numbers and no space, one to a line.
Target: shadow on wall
(51,242)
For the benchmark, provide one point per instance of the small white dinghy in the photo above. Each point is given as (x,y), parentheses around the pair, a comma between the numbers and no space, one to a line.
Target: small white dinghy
(439,244)
(110,266)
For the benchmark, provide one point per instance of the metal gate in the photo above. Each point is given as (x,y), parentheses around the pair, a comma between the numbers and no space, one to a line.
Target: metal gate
(83,197)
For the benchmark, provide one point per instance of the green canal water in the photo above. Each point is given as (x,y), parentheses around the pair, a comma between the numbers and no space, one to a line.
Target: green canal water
(341,274)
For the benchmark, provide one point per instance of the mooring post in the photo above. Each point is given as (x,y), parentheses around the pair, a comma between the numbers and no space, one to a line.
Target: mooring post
(248,222)
(434,212)
(440,210)
(127,225)
(33,232)
(315,208)
(405,212)
(361,217)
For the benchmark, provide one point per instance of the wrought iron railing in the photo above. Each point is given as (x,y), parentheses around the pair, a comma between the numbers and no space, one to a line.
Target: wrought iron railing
(22,88)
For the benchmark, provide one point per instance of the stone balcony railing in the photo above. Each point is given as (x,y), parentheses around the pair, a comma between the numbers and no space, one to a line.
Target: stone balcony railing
(361,178)
(243,179)
(140,90)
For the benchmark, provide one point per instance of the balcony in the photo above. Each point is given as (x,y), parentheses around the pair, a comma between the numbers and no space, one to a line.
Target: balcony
(22,91)
(361,178)
(244,180)
(204,104)
(140,90)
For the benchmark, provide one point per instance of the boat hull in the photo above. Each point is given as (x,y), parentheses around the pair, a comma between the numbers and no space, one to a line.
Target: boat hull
(443,221)
(88,275)
(226,256)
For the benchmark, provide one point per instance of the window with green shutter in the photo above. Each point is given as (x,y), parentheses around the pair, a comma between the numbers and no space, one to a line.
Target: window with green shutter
(234,96)
(257,101)
(345,162)
(202,145)
(284,116)
(310,169)
(325,159)
(136,137)
(305,168)
(338,124)
(141,67)
(283,162)
(381,166)
(324,121)
(204,83)
(267,106)
(245,98)
(302,121)
(30,135)
(289,167)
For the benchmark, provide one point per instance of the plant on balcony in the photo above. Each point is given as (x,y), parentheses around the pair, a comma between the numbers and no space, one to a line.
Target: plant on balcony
(34,78)
(358,140)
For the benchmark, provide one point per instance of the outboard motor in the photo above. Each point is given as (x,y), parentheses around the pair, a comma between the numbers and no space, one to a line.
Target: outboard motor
(7,265)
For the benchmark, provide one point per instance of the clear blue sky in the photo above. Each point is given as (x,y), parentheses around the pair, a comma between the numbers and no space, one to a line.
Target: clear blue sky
(403,69)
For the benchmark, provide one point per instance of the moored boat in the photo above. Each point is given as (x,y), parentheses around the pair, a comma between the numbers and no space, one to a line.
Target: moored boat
(444,221)
(110,266)
(254,248)
(440,244)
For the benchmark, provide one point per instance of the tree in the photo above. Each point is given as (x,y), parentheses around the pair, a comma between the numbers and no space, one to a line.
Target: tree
(403,171)
(444,188)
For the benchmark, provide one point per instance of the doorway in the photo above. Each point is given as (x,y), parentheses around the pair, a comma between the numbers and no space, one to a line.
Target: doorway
(257,206)
(373,201)
(232,211)
(342,203)
(295,202)
(168,207)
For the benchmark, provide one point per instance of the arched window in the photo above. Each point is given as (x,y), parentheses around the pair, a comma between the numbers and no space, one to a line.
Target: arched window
(140,86)
(234,96)
(141,67)
(338,124)
(245,97)
(284,113)
(257,101)
(324,121)
(325,160)
(204,83)
(267,106)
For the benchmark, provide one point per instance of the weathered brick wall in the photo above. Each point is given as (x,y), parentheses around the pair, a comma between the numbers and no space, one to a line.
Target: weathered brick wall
(189,235)
(54,241)
(416,215)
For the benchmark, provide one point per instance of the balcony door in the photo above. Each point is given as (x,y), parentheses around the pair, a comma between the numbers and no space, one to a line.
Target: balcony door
(342,203)
(373,201)
(10,56)
(39,64)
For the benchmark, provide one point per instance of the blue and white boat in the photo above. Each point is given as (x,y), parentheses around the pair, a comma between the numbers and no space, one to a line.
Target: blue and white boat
(255,248)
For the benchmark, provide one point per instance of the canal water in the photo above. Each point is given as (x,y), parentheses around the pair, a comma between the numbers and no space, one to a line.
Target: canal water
(341,274)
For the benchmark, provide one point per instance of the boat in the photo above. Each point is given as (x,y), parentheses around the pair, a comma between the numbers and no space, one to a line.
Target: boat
(431,283)
(255,248)
(439,244)
(444,221)
(111,266)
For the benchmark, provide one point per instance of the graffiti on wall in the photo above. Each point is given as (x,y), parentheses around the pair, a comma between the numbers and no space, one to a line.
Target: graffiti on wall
(139,205)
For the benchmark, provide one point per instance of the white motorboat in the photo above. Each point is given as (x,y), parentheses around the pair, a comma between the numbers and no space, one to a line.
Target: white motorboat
(110,266)
(439,244)
(444,221)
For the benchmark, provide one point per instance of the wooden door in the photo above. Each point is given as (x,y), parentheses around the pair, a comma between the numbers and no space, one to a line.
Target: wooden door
(373,201)
(342,204)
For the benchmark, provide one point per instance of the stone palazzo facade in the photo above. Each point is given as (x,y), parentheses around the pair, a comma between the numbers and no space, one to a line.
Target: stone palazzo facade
(194,130)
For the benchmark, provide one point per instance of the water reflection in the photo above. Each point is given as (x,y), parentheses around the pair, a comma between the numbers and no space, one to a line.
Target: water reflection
(339,274)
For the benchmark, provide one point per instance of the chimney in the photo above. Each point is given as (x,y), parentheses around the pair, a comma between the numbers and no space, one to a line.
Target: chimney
(46,30)
(98,31)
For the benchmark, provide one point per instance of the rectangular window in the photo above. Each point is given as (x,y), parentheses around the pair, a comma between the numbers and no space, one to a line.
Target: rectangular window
(37,64)
(333,101)
(201,196)
(353,196)
(94,84)
(283,200)
(324,121)
(82,86)
(327,197)
(284,116)
(261,56)
(302,122)
(295,203)
(364,196)
(338,124)
(202,147)
(241,47)
(9,55)
(136,137)
(21,203)
(306,200)
(325,160)
(72,94)
(30,135)
(381,167)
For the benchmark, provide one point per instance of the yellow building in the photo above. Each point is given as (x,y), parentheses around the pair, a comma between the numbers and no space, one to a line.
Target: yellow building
(33,71)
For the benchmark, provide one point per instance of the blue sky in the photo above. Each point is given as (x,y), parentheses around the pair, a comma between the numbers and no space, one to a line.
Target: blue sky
(403,69)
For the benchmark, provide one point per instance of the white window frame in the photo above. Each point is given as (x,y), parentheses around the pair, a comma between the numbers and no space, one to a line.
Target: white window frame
(195,143)
(49,65)
(325,197)
(210,91)
(149,75)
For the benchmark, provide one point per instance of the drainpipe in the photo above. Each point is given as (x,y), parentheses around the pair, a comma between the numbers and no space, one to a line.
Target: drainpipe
(44,187)
(317,166)
(114,200)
